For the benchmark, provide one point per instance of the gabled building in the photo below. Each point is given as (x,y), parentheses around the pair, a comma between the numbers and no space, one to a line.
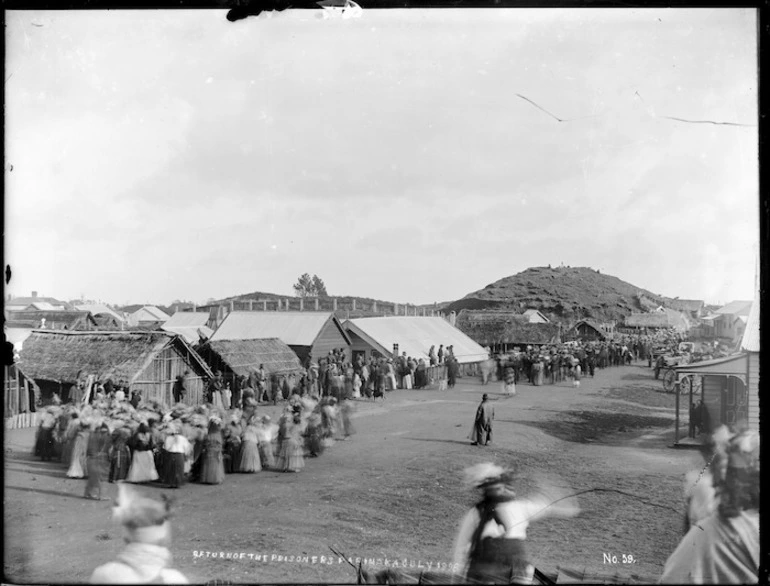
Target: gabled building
(730,321)
(143,361)
(502,331)
(148,316)
(23,303)
(309,334)
(375,337)
(535,317)
(51,320)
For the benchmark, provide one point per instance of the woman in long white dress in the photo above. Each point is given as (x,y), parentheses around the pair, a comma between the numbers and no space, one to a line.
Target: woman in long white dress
(142,461)
(250,460)
(78,458)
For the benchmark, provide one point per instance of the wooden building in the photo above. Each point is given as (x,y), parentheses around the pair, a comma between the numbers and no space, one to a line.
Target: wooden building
(502,331)
(586,331)
(730,385)
(144,361)
(374,337)
(235,358)
(20,395)
(309,334)
(52,320)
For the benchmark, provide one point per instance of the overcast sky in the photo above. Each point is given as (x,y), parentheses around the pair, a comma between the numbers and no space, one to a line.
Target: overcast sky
(159,155)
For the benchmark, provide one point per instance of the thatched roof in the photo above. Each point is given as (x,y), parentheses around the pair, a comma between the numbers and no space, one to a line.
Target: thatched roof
(244,355)
(488,328)
(60,355)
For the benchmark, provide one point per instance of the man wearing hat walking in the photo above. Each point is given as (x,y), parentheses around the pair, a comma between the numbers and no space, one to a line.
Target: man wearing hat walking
(490,544)
(482,425)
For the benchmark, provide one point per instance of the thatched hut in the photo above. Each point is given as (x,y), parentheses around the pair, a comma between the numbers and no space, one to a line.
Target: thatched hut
(143,361)
(586,331)
(502,331)
(235,358)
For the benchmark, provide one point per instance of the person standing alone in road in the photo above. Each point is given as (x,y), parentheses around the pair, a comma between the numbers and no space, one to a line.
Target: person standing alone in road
(482,425)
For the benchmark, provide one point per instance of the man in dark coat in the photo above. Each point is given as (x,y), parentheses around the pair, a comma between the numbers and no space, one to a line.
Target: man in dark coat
(179,390)
(482,425)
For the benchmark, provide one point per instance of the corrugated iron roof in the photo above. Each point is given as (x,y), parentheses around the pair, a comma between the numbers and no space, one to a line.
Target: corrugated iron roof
(295,328)
(735,307)
(186,319)
(415,335)
(149,313)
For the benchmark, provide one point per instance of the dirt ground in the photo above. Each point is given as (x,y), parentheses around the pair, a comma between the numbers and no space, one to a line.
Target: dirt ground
(394,492)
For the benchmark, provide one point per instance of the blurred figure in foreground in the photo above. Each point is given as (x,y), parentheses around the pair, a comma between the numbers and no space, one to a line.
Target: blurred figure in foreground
(723,547)
(490,544)
(147,532)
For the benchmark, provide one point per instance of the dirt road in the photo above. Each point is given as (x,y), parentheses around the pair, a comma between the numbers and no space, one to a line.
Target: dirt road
(393,492)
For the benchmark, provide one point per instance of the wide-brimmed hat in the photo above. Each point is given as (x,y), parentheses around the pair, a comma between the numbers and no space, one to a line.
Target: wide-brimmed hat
(486,474)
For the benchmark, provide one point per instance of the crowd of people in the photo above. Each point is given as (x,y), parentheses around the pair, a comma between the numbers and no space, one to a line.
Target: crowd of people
(550,364)
(113,439)
(335,375)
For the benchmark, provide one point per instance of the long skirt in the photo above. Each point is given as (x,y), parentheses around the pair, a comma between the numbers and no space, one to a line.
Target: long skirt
(78,464)
(213,471)
(499,561)
(291,457)
(97,471)
(119,464)
(249,460)
(142,467)
(266,454)
(44,446)
(481,434)
(174,469)
(509,388)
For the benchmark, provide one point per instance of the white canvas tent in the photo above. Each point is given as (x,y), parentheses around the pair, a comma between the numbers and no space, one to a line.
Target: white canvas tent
(415,335)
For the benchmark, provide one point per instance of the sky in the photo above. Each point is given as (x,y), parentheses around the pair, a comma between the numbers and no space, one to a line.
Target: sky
(412,156)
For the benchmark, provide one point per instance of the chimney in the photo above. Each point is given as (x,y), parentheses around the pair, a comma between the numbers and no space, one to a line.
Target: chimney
(34,294)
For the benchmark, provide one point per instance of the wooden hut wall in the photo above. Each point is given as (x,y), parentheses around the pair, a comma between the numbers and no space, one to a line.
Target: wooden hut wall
(156,381)
(358,344)
(19,393)
(753,390)
(329,337)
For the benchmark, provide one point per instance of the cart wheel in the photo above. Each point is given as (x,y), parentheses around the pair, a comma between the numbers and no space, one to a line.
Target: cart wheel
(669,380)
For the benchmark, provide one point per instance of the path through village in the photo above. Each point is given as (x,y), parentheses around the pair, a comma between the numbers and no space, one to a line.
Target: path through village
(393,492)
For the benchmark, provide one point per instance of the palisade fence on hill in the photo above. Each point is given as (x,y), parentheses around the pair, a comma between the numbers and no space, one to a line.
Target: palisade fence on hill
(343,307)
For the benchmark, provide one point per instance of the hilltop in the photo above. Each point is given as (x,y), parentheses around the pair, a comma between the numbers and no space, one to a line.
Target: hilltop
(562,294)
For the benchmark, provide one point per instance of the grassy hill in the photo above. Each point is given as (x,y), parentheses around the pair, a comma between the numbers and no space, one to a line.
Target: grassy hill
(562,294)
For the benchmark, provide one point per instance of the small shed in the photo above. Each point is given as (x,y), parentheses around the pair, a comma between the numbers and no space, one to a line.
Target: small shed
(145,361)
(236,358)
(310,334)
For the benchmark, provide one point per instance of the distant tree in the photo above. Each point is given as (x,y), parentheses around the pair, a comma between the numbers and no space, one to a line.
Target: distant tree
(319,286)
(307,286)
